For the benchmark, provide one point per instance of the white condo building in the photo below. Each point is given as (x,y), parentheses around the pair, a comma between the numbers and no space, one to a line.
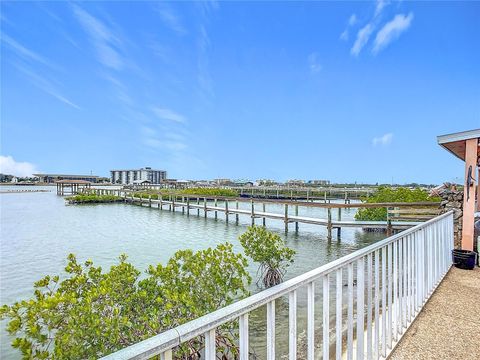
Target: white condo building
(144,174)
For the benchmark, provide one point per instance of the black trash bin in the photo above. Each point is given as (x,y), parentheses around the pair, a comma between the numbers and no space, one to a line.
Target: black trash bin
(464,259)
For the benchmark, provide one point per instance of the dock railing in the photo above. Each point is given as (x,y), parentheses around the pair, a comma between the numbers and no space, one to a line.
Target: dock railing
(387,285)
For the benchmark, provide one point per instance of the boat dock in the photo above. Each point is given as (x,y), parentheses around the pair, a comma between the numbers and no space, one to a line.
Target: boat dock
(204,205)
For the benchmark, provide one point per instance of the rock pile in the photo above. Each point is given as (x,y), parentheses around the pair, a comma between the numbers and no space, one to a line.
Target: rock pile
(452,199)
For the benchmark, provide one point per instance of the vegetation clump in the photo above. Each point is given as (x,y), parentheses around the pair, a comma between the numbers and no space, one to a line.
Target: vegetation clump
(92,198)
(91,313)
(389,194)
(268,249)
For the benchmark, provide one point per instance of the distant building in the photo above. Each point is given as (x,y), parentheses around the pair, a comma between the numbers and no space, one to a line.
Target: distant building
(295,182)
(51,178)
(222,182)
(128,177)
(319,182)
(266,182)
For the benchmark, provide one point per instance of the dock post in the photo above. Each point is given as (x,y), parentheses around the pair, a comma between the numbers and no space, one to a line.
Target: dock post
(125,196)
(329,224)
(286,218)
(160,204)
(325,196)
(198,208)
(226,210)
(149,200)
(296,214)
(188,205)
(264,218)
(183,204)
(308,193)
(173,202)
(170,202)
(216,203)
(346,197)
(236,214)
(205,207)
(253,212)
(339,229)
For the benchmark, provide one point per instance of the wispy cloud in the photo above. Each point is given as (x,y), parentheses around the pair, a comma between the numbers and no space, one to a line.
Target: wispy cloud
(352,20)
(9,166)
(167,114)
(364,34)
(46,86)
(314,63)
(170,18)
(362,38)
(103,39)
(380,5)
(391,31)
(25,53)
(169,141)
(383,140)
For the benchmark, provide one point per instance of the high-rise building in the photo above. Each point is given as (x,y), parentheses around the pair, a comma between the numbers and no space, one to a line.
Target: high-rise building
(126,177)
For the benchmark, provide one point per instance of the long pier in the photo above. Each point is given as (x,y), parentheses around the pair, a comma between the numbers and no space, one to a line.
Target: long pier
(205,204)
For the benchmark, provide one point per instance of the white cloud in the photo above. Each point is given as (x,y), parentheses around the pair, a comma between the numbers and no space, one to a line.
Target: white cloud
(105,42)
(167,114)
(25,53)
(314,63)
(392,30)
(9,166)
(362,38)
(170,18)
(352,20)
(383,140)
(47,86)
(381,4)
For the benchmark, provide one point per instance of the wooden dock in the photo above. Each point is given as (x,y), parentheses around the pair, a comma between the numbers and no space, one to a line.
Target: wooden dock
(204,205)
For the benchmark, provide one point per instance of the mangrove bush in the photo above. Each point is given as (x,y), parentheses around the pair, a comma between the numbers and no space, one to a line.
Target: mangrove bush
(90,313)
(270,250)
(388,194)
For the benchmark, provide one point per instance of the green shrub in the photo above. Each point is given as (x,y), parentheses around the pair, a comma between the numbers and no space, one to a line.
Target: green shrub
(268,249)
(92,198)
(388,194)
(91,313)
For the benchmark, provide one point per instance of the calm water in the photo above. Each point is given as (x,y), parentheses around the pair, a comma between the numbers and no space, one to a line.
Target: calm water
(38,231)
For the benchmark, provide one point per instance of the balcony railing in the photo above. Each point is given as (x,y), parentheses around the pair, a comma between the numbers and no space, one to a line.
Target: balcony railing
(387,285)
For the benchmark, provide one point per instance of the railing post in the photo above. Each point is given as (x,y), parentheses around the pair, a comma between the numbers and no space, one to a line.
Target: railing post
(292,325)
(360,307)
(271,330)
(243,337)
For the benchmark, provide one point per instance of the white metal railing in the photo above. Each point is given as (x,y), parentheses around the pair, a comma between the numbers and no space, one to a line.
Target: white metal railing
(387,285)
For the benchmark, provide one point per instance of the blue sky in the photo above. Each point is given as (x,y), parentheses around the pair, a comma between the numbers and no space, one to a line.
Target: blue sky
(347,91)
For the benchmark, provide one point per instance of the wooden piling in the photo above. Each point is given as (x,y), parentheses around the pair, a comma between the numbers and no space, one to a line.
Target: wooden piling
(339,229)
(329,224)
(226,211)
(188,205)
(198,209)
(236,215)
(253,212)
(264,218)
(296,214)
(205,207)
(216,203)
(286,218)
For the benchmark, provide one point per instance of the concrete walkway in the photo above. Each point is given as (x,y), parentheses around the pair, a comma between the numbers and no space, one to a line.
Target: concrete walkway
(448,327)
